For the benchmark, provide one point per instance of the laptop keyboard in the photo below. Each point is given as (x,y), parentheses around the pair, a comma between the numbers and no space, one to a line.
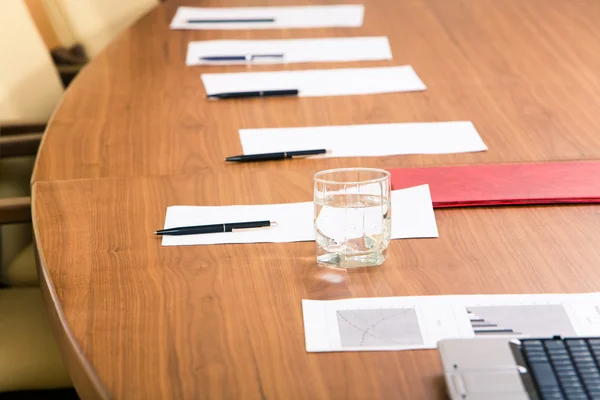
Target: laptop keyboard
(564,368)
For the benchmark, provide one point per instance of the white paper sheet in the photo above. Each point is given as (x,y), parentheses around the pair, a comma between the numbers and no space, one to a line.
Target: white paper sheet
(419,322)
(284,17)
(412,217)
(367,140)
(327,82)
(292,50)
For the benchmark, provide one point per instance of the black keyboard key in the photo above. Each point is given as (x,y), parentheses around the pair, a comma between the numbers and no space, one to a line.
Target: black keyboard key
(580,355)
(534,349)
(564,368)
(544,376)
(590,373)
(535,352)
(537,359)
(553,396)
(582,396)
(551,391)
(570,380)
(580,351)
(586,369)
(554,344)
(563,364)
(591,383)
(584,361)
(572,383)
(560,358)
(574,388)
(566,372)
(587,362)
(531,342)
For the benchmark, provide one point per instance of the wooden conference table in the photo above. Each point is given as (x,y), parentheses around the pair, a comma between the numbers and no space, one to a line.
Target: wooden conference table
(135,134)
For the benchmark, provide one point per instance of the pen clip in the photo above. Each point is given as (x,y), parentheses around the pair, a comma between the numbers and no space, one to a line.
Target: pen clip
(273,224)
(317,155)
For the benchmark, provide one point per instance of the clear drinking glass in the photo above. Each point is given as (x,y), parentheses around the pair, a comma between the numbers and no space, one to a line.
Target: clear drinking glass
(353,216)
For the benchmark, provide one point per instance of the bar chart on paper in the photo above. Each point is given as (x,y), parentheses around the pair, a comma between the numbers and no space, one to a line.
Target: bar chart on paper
(419,322)
(520,320)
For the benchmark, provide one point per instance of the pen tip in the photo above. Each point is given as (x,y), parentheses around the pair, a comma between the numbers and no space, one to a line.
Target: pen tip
(156,232)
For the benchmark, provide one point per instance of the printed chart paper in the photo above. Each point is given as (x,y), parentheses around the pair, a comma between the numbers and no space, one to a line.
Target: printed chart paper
(419,322)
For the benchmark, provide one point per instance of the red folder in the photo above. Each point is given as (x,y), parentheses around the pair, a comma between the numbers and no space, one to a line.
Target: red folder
(505,184)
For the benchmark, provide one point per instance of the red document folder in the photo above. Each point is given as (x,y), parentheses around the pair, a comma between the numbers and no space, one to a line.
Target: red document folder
(505,184)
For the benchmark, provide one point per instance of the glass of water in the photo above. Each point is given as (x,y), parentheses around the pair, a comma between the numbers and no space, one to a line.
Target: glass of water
(353,217)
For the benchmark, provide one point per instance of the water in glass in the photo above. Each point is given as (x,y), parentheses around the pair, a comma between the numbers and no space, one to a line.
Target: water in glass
(352,229)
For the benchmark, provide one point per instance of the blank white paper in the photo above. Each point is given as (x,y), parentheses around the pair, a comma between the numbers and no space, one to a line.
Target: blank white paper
(419,322)
(367,140)
(325,82)
(284,17)
(412,217)
(292,50)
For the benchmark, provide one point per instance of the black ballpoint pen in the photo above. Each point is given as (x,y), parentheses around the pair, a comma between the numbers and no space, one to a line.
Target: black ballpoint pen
(247,57)
(229,21)
(275,156)
(258,93)
(215,228)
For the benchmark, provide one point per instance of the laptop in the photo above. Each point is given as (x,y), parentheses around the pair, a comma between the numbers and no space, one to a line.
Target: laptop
(522,369)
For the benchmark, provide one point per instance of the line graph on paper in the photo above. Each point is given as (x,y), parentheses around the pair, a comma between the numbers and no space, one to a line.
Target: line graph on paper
(379,327)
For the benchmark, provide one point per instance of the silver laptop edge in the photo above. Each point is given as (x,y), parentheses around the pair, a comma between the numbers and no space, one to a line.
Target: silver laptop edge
(485,368)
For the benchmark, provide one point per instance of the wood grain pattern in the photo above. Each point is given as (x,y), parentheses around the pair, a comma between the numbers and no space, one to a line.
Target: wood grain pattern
(225,321)
(135,134)
(84,378)
(522,71)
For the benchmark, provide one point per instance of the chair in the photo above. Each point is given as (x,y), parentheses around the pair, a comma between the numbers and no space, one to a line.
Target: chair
(29,359)
(94,23)
(30,86)
(30,89)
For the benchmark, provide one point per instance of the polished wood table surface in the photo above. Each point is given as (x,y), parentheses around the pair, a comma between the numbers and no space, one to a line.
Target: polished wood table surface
(135,134)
